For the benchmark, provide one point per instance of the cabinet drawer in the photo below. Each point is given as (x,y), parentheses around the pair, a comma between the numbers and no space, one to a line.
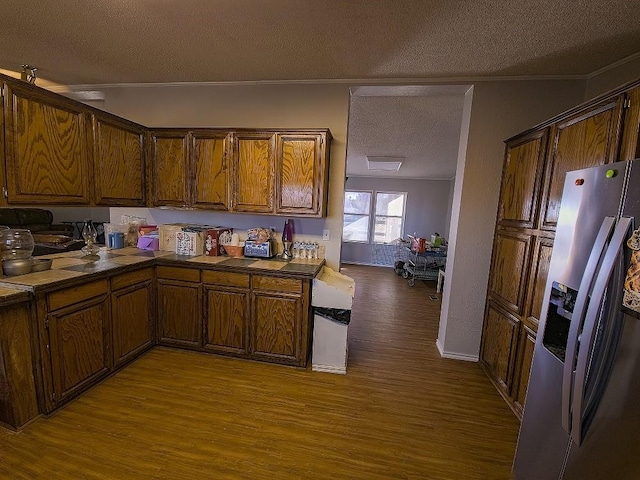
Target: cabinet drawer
(177,273)
(132,278)
(69,296)
(265,282)
(226,278)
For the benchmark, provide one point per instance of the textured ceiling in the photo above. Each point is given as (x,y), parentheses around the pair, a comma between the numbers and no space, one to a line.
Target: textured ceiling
(131,41)
(421,124)
(75,42)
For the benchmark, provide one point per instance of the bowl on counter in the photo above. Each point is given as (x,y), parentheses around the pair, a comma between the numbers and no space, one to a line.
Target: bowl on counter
(41,264)
(234,250)
(18,266)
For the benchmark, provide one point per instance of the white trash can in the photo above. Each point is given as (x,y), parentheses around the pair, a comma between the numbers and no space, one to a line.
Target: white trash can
(332,299)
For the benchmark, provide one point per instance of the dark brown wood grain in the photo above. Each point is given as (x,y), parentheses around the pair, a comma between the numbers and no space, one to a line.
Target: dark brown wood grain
(69,296)
(80,353)
(232,279)
(227,320)
(254,169)
(509,271)
(119,166)
(276,327)
(585,140)
(539,269)
(47,151)
(526,346)
(278,284)
(170,166)
(499,343)
(179,313)
(177,273)
(18,402)
(133,318)
(630,143)
(521,178)
(211,165)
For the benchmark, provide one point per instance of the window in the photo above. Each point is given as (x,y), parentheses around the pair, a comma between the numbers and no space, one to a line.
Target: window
(389,217)
(357,209)
(387,214)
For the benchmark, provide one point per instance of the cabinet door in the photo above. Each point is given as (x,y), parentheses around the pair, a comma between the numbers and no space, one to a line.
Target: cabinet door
(179,313)
(509,271)
(301,178)
(276,332)
(226,324)
(170,166)
(47,149)
(630,144)
(253,167)
(521,177)
(587,139)
(119,162)
(211,166)
(526,346)
(499,341)
(79,341)
(538,281)
(133,316)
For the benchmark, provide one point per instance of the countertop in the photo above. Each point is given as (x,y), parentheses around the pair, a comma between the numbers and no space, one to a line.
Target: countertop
(71,268)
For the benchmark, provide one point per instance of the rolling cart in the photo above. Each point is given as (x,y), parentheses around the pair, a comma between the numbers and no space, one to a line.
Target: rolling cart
(424,265)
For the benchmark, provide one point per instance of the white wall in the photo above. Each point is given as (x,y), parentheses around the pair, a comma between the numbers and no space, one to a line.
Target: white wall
(426,210)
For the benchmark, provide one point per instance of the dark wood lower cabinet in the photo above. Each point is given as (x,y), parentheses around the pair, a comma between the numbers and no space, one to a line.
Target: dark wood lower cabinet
(133,314)
(499,343)
(226,320)
(526,346)
(78,340)
(276,332)
(18,401)
(179,306)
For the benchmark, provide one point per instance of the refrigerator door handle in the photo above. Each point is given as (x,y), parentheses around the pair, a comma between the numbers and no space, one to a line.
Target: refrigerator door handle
(577,318)
(585,352)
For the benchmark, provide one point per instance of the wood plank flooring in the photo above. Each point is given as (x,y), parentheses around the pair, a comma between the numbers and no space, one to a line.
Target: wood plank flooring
(401,412)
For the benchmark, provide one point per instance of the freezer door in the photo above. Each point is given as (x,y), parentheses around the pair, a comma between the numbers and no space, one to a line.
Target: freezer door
(611,448)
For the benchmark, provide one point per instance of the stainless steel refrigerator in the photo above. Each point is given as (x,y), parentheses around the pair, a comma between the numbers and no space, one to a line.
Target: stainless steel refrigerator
(582,413)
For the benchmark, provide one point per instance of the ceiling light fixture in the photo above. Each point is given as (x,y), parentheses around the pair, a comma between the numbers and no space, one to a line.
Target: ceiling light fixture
(386,164)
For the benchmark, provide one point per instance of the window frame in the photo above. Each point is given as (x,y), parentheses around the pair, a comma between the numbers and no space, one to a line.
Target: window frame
(373,204)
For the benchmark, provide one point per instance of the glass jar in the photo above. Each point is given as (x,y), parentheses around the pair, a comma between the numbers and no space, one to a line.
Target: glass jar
(16,244)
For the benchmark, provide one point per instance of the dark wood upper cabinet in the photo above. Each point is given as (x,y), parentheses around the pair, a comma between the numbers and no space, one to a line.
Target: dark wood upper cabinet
(586,139)
(302,170)
(120,168)
(630,144)
(170,167)
(211,166)
(524,164)
(47,153)
(253,172)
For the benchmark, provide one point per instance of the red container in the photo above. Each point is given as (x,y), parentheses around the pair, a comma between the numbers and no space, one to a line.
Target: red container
(418,244)
(215,239)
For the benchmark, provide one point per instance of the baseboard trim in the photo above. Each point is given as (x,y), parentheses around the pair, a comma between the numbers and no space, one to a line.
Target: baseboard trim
(329,369)
(455,356)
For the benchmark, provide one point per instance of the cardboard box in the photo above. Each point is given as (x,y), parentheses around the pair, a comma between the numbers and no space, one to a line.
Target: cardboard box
(167,236)
(190,243)
(215,239)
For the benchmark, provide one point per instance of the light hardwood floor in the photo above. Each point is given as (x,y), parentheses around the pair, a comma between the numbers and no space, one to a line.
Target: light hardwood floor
(401,412)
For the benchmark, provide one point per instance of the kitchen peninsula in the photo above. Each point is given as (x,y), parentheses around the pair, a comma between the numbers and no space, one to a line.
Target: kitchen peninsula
(65,329)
